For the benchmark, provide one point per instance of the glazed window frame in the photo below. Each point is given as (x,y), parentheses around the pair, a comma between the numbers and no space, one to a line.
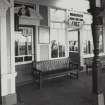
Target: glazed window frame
(57,33)
(43,30)
(25,53)
(73,40)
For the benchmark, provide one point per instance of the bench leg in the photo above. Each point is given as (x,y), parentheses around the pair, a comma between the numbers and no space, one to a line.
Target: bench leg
(40,81)
(87,72)
(36,77)
(77,74)
(74,75)
(68,75)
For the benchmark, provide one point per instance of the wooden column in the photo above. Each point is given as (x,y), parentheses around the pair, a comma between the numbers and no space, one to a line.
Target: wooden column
(96,72)
(7,67)
(80,47)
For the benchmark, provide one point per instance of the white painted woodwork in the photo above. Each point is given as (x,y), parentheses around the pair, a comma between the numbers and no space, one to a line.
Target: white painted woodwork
(7,67)
(83,5)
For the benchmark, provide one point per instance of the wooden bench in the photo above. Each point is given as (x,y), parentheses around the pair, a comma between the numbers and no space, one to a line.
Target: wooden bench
(89,63)
(49,69)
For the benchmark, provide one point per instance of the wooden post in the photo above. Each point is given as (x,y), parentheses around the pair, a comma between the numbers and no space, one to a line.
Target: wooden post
(7,67)
(95,10)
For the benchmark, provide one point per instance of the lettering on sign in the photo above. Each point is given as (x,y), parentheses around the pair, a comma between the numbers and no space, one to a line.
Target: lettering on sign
(74,19)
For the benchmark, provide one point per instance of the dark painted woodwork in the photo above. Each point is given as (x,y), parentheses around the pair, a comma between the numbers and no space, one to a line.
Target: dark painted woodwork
(43,10)
(16,22)
(24,74)
(96,25)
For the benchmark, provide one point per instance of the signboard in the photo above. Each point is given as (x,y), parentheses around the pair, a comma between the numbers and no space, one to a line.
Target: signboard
(74,19)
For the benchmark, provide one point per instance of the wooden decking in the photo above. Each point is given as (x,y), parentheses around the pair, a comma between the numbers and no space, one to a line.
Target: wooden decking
(60,92)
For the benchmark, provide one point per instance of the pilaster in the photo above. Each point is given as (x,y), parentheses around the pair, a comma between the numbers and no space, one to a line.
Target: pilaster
(7,67)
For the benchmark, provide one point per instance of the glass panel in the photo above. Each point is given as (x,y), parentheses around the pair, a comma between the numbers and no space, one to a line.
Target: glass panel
(54,49)
(61,43)
(44,35)
(87,41)
(54,43)
(57,43)
(73,40)
(23,43)
(57,15)
(43,10)
(27,58)
(58,25)
(18,59)
(61,51)
(29,45)
(57,32)
(54,34)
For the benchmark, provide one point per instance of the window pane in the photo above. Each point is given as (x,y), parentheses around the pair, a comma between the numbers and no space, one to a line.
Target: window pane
(18,59)
(73,40)
(27,58)
(57,32)
(43,35)
(43,10)
(29,45)
(57,15)
(23,44)
(54,49)
(87,40)
(55,25)
(61,43)
(54,35)
(57,43)
(54,43)
(61,50)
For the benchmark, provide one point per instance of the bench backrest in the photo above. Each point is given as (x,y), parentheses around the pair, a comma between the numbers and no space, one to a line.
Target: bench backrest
(52,64)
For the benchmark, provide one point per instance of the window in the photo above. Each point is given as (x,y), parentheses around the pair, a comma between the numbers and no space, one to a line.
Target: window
(43,10)
(57,43)
(57,33)
(23,44)
(44,35)
(57,15)
(88,46)
(73,41)
(87,40)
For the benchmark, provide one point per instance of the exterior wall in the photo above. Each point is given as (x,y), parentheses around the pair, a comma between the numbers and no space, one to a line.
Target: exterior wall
(24,71)
(7,67)
(63,4)
(60,5)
